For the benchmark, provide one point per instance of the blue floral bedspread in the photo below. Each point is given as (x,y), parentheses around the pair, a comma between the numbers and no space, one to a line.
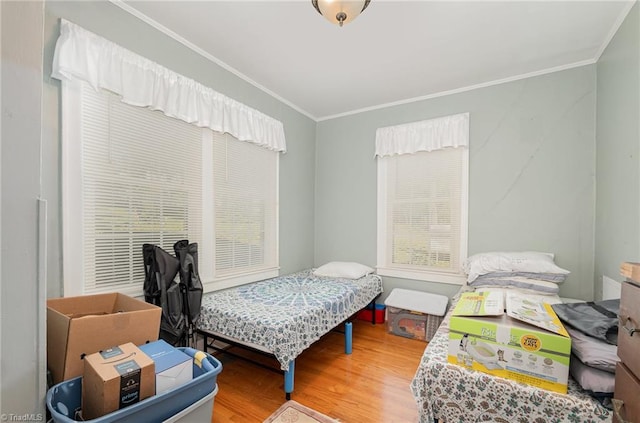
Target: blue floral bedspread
(286,314)
(452,393)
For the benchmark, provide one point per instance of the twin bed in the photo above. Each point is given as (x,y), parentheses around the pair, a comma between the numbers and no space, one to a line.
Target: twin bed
(449,393)
(283,316)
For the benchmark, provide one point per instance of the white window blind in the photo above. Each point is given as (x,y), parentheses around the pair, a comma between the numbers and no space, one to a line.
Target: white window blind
(245,183)
(422,215)
(133,176)
(141,179)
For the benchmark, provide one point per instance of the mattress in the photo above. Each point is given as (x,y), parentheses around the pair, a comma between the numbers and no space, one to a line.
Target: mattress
(452,393)
(286,314)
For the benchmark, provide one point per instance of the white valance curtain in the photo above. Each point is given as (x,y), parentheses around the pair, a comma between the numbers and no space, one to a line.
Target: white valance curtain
(83,55)
(427,135)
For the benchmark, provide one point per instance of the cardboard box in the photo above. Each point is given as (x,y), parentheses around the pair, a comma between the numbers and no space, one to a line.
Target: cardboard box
(114,379)
(414,314)
(527,344)
(173,367)
(78,326)
(631,271)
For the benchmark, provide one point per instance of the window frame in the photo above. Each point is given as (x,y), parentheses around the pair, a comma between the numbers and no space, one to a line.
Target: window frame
(384,266)
(72,209)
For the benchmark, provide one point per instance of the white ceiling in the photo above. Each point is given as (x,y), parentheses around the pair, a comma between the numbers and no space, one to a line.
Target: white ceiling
(395,52)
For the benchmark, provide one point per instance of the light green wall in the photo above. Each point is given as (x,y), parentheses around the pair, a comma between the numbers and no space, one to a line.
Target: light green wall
(111,22)
(532,161)
(617,229)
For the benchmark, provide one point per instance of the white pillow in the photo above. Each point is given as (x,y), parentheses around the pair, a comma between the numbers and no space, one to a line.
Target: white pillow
(526,261)
(343,269)
(518,282)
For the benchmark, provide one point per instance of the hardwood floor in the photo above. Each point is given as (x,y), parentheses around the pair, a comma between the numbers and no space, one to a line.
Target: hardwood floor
(371,384)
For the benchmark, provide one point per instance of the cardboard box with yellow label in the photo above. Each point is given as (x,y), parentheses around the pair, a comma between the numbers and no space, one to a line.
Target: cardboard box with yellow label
(527,344)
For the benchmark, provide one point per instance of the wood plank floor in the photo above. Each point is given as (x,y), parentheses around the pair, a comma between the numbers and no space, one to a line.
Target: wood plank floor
(371,384)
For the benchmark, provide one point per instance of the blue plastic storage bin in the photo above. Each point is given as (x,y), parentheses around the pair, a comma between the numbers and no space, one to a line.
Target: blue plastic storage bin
(65,398)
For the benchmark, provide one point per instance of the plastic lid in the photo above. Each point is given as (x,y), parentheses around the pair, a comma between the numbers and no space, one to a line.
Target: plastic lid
(423,302)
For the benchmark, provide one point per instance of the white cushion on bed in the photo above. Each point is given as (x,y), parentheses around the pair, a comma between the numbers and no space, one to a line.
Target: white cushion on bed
(526,261)
(343,269)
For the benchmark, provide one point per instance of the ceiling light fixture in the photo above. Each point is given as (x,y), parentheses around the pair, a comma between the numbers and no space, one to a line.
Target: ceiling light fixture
(340,12)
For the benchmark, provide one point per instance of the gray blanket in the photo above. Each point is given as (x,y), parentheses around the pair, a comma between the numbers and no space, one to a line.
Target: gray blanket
(597,319)
(592,351)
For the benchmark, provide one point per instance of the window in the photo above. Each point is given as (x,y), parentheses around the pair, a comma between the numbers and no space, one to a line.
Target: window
(422,211)
(245,204)
(133,176)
